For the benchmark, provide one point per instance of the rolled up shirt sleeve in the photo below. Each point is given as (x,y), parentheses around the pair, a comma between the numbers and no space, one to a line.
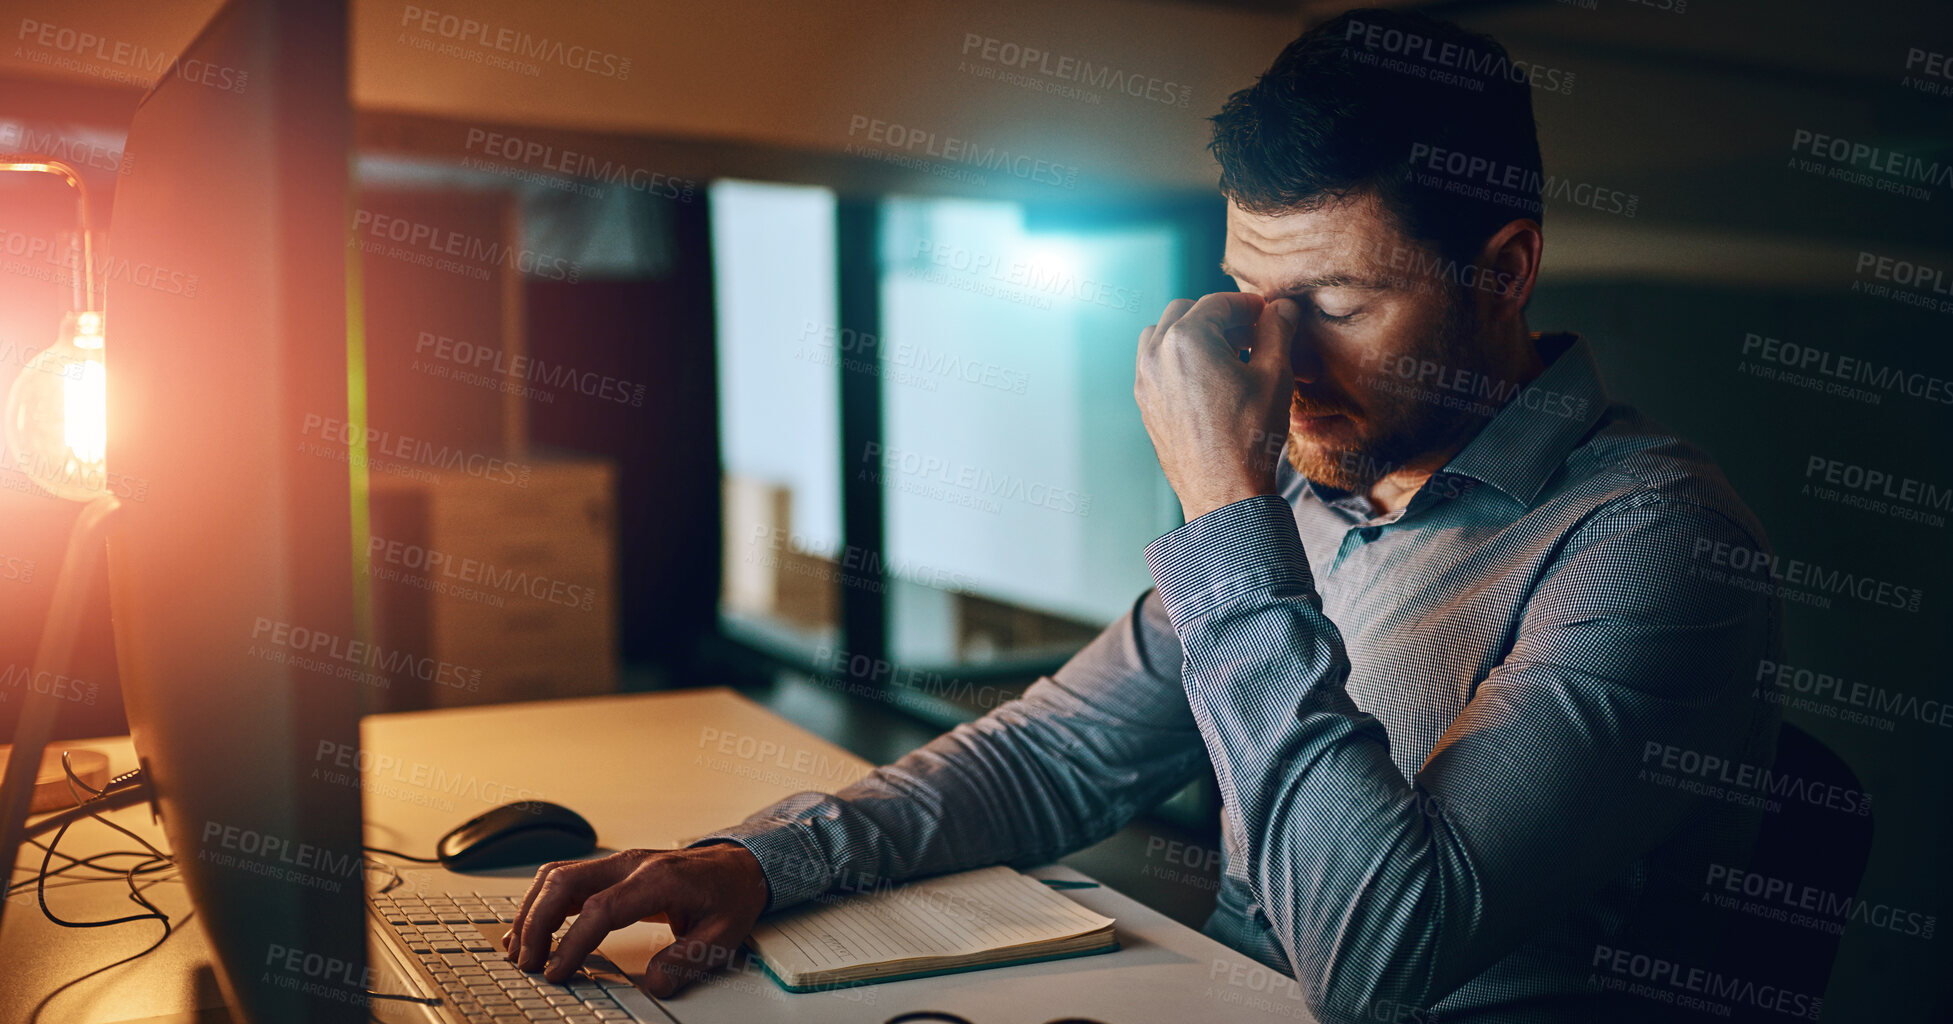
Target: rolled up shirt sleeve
(1386,889)
(1079,755)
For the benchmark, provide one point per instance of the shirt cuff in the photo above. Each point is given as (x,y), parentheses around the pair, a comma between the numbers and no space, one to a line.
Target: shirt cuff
(1246,548)
(793,865)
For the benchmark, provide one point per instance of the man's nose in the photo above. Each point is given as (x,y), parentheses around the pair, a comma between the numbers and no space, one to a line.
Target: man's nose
(1304,358)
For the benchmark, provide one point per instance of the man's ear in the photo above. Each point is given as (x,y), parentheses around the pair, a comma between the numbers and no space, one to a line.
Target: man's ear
(1511,260)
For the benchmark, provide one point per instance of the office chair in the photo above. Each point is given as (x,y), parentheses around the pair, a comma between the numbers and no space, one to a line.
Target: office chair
(1805,845)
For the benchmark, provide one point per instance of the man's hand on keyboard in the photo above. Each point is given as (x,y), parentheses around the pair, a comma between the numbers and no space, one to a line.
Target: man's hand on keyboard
(709,895)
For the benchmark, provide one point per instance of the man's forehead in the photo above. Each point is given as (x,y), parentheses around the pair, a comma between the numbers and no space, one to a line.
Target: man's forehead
(1341,242)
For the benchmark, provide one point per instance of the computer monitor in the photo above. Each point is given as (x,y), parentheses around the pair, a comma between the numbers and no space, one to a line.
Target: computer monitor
(232,583)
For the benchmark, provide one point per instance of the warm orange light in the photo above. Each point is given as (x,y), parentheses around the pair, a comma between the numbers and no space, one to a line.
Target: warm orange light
(57,413)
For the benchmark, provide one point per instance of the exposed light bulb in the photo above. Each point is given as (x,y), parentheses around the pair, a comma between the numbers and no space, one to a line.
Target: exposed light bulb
(57,413)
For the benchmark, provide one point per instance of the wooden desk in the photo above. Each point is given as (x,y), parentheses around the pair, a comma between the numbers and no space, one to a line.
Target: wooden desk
(647,770)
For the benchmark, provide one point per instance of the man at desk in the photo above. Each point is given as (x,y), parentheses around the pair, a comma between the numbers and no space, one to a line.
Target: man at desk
(1435,655)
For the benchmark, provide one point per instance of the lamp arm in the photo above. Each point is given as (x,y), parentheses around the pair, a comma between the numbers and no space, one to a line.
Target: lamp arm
(56,652)
(66,171)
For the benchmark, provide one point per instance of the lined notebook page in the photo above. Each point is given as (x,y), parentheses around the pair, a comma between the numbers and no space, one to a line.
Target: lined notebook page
(971,912)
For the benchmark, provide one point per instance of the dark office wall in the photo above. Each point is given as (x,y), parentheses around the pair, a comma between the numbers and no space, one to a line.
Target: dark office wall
(656,331)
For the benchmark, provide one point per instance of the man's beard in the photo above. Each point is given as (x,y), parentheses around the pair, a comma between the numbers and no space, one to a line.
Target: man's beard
(1415,423)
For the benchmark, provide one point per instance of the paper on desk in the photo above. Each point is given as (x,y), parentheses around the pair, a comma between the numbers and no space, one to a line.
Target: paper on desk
(971,912)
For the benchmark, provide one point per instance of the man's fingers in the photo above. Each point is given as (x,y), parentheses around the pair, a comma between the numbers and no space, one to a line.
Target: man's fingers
(561,893)
(1216,314)
(691,956)
(1275,335)
(1174,311)
(602,913)
(513,940)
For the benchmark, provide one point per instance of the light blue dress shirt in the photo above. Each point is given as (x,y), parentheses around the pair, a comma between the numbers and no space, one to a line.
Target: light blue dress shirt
(1437,734)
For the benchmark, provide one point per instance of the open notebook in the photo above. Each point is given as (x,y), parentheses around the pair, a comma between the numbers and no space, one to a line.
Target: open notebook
(990,917)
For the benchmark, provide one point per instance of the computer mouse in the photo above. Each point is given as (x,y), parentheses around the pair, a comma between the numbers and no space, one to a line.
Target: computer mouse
(529,832)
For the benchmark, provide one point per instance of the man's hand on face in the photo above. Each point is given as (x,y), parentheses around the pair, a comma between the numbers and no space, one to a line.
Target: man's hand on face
(1218,423)
(709,895)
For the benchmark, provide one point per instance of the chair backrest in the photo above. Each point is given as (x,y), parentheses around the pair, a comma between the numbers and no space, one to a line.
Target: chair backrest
(1801,844)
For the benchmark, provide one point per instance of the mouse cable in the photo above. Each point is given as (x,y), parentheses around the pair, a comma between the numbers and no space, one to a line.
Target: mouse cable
(402,856)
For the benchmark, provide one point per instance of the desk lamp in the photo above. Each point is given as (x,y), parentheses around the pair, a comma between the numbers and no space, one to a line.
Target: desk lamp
(57,434)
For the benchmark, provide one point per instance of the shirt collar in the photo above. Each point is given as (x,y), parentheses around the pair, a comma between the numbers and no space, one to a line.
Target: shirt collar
(1519,450)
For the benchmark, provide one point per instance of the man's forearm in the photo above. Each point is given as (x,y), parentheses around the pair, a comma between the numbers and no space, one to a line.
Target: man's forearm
(1069,763)
(1306,776)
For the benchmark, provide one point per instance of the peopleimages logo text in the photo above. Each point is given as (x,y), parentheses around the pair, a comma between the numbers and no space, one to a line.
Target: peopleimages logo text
(1480,62)
(447,242)
(1755,778)
(1866,156)
(954,150)
(321,644)
(534,153)
(1799,573)
(384,443)
(516,42)
(1848,368)
(528,368)
(1840,907)
(1074,69)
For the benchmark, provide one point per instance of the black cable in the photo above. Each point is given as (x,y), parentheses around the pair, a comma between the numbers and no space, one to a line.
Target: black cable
(149,867)
(403,997)
(136,896)
(154,860)
(35,1016)
(148,863)
(72,861)
(40,891)
(402,856)
(74,780)
(129,877)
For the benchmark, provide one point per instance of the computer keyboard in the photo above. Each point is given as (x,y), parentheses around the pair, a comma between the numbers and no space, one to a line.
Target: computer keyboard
(457,939)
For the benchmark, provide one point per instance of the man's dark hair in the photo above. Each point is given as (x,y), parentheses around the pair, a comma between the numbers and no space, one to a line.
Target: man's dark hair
(1433,120)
